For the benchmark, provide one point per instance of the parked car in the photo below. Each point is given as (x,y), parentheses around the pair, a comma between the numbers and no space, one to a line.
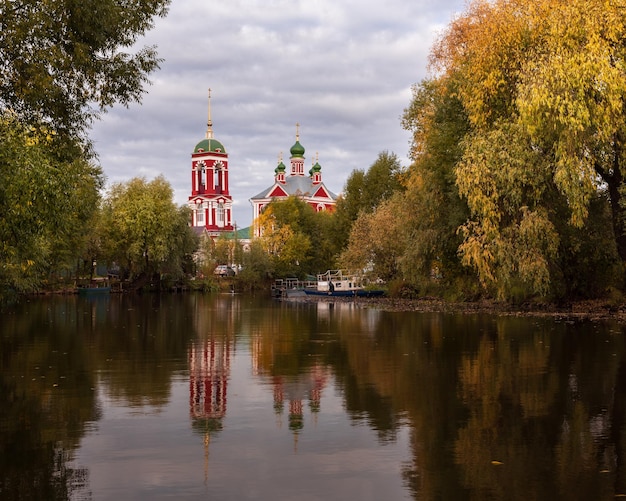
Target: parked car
(223,270)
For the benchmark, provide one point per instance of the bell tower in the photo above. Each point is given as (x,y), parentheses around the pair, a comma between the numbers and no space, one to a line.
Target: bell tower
(210,200)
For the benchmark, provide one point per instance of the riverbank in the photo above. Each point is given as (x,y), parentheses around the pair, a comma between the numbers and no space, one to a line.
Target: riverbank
(578,310)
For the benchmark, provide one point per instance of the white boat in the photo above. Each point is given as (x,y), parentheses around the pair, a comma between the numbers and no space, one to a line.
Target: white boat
(338,283)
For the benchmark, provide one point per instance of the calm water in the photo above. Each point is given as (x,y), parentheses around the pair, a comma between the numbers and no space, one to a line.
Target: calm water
(235,397)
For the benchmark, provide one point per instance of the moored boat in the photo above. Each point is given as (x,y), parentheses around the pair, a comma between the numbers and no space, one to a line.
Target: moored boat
(336,283)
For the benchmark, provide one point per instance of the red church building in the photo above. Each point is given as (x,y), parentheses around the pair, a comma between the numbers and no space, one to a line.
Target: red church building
(210,200)
(309,188)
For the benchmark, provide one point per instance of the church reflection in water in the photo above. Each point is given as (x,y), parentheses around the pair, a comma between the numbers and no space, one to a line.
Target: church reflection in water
(296,391)
(209,374)
(296,382)
(209,371)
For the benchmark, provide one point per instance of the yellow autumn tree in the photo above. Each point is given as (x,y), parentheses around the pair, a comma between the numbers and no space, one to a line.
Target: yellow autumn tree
(543,87)
(285,226)
(377,240)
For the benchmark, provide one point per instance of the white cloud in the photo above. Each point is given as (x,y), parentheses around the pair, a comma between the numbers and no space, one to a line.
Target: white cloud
(343,70)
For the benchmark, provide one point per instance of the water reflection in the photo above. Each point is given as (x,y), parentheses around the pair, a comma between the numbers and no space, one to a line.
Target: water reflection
(235,397)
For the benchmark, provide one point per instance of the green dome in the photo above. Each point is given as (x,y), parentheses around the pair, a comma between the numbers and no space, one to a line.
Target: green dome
(297,150)
(207,145)
(281,168)
(316,168)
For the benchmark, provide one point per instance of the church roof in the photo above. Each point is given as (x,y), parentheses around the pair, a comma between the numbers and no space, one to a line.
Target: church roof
(240,234)
(295,185)
(209,145)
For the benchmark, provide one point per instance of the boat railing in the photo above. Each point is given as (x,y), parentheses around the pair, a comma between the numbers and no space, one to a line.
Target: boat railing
(283,284)
(340,277)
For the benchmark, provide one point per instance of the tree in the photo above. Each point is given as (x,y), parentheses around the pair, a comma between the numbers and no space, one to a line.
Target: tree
(377,240)
(145,232)
(60,59)
(257,266)
(46,206)
(365,190)
(434,207)
(298,239)
(543,88)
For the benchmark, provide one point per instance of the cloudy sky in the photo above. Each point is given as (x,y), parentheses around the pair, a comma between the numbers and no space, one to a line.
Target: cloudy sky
(342,69)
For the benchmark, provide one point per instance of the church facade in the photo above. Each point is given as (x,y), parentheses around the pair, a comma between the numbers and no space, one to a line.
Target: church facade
(308,187)
(210,201)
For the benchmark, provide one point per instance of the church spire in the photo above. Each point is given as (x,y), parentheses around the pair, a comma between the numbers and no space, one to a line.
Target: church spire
(209,123)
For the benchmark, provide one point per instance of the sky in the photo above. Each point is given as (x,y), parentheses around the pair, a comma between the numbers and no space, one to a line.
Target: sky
(341,69)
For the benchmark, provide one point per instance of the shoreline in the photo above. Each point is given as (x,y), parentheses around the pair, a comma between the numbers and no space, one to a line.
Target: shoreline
(593,310)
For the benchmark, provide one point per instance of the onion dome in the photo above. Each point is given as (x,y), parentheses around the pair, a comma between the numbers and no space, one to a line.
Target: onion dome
(297,150)
(281,168)
(209,145)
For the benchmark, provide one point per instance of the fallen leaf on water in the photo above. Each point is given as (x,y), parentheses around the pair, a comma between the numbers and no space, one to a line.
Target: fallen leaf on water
(496,463)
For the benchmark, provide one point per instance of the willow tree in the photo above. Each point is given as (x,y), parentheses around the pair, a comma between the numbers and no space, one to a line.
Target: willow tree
(287,228)
(543,85)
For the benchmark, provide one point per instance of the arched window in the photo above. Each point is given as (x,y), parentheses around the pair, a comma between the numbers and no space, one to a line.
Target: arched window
(202,169)
(217,175)
(220,214)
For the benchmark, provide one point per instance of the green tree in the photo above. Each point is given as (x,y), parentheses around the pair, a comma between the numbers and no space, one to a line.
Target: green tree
(146,232)
(64,62)
(257,266)
(365,190)
(46,207)
(434,209)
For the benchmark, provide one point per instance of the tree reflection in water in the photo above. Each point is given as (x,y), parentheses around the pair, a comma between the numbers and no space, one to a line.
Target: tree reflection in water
(492,407)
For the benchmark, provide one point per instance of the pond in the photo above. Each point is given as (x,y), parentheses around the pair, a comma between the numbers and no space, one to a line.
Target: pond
(234,397)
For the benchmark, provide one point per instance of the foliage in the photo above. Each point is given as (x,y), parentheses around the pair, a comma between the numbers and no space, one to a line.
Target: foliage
(377,240)
(144,230)
(223,250)
(59,59)
(46,206)
(543,89)
(365,190)
(257,267)
(434,209)
(512,241)
(296,237)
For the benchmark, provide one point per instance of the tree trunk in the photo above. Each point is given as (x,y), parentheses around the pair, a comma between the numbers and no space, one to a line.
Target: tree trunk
(617,212)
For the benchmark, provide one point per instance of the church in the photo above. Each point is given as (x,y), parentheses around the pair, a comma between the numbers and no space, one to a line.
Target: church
(210,201)
(309,188)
